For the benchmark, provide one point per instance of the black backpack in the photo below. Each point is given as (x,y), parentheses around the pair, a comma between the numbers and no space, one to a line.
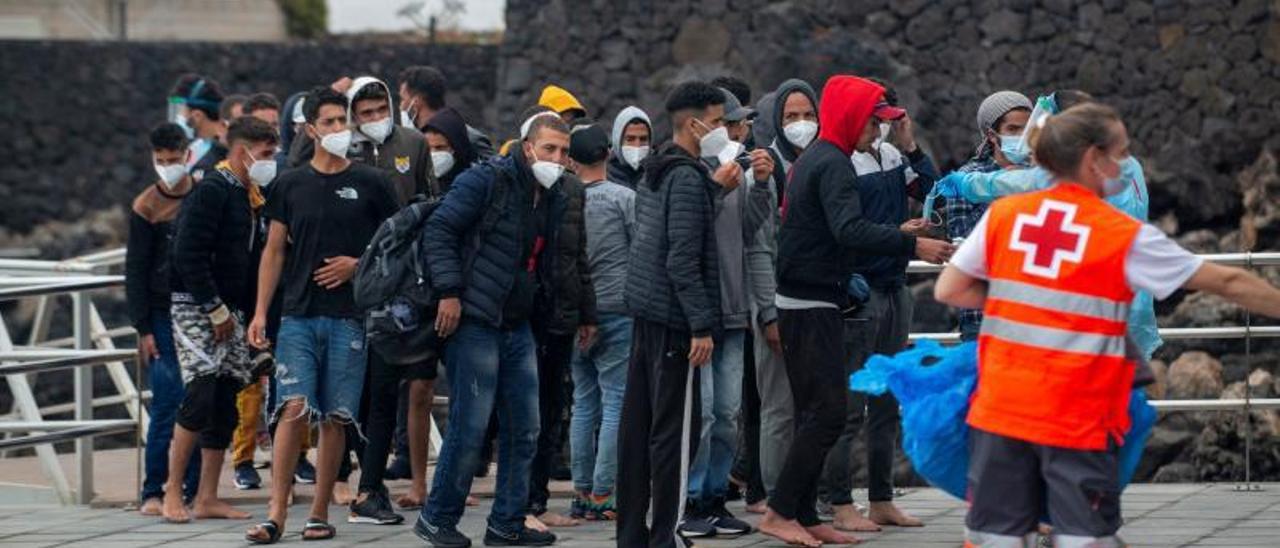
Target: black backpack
(392,289)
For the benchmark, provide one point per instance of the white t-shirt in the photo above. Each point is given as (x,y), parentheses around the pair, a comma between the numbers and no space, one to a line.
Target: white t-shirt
(1155,263)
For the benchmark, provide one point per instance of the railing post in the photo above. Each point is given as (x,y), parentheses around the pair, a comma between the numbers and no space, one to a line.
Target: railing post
(83,398)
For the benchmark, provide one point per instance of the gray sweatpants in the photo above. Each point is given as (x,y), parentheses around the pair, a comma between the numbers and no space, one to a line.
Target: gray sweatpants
(777,411)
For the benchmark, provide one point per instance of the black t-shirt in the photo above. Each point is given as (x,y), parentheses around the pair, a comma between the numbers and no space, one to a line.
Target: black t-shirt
(328,215)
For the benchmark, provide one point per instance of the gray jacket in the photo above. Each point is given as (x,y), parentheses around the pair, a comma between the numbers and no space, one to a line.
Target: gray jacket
(610,219)
(739,215)
(762,255)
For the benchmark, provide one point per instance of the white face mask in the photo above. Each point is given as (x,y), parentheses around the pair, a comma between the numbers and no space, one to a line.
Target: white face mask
(171,174)
(378,131)
(406,119)
(337,143)
(884,136)
(262,172)
(441,162)
(800,132)
(633,155)
(730,152)
(547,173)
(714,141)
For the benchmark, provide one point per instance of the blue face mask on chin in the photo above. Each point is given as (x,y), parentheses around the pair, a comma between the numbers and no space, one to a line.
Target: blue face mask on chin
(1011,147)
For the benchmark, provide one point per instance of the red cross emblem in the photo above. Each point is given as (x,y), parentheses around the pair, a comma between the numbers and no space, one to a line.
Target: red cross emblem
(1049,238)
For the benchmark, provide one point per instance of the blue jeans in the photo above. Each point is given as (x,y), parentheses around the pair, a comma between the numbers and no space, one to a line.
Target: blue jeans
(721,398)
(487,367)
(320,360)
(599,381)
(167,392)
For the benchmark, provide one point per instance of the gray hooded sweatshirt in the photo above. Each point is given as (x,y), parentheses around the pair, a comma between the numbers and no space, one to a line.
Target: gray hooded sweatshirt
(740,213)
(619,170)
(403,154)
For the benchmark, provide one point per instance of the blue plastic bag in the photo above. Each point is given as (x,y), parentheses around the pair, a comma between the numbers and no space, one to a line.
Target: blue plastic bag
(933,385)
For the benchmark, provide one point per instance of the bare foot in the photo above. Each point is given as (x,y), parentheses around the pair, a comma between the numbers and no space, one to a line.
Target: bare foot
(472,501)
(342,495)
(848,518)
(788,531)
(757,508)
(531,521)
(173,510)
(217,509)
(887,513)
(151,507)
(828,535)
(553,519)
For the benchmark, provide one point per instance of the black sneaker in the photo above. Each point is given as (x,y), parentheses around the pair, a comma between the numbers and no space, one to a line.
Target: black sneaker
(440,536)
(724,521)
(696,524)
(305,473)
(247,477)
(376,509)
(524,537)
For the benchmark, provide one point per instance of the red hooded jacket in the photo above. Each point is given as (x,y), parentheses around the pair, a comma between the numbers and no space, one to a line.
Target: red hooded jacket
(823,230)
(847,104)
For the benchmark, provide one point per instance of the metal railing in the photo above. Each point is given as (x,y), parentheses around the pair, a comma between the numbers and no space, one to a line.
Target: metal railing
(91,345)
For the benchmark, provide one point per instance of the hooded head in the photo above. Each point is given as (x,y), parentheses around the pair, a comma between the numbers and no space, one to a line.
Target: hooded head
(291,119)
(762,130)
(562,102)
(448,123)
(847,104)
(628,126)
(778,115)
(369,109)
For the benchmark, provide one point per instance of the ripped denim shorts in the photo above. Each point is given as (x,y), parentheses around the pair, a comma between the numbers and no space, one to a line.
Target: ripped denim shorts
(320,360)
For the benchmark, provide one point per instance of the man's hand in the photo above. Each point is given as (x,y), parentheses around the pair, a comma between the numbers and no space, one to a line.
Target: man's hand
(761,164)
(447,315)
(728,176)
(934,251)
(903,136)
(258,332)
(915,227)
(336,271)
(586,337)
(341,85)
(700,351)
(773,338)
(147,347)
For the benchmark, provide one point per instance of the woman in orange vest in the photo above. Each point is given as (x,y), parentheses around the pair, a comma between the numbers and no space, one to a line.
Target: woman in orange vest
(1054,272)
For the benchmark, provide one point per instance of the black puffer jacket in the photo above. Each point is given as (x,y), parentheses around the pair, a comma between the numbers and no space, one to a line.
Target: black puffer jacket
(673,277)
(212,243)
(571,301)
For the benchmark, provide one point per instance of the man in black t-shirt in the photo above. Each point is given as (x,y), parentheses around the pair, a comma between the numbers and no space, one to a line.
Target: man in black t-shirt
(322,214)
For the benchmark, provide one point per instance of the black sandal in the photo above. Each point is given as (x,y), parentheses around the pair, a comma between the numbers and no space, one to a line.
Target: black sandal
(314,524)
(273,533)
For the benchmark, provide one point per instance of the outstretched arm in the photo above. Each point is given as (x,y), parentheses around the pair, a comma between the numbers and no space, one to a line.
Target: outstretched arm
(1238,286)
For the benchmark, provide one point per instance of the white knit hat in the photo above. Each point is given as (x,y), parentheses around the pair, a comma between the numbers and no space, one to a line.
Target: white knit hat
(994,107)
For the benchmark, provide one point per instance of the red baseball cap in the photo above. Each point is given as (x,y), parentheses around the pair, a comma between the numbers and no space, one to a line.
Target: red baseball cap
(885,111)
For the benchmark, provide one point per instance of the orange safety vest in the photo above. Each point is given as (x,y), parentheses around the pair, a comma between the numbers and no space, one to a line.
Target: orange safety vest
(1052,362)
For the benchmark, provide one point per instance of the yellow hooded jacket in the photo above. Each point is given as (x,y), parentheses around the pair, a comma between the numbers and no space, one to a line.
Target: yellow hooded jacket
(559,99)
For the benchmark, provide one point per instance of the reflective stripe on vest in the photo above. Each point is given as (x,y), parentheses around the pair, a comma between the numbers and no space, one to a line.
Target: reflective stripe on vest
(1057,300)
(1051,338)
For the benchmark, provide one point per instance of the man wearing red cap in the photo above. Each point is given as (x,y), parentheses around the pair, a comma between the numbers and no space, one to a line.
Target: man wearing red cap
(823,232)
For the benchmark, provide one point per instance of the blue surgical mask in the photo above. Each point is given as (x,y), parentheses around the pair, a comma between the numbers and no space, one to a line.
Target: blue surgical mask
(1011,147)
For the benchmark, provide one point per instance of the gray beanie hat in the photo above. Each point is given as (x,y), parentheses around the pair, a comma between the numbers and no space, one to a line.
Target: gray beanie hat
(995,106)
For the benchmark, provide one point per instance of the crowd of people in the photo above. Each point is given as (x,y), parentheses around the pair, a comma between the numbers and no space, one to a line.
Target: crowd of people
(689,310)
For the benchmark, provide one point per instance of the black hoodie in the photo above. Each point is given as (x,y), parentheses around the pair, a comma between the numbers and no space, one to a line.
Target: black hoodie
(449,122)
(673,276)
